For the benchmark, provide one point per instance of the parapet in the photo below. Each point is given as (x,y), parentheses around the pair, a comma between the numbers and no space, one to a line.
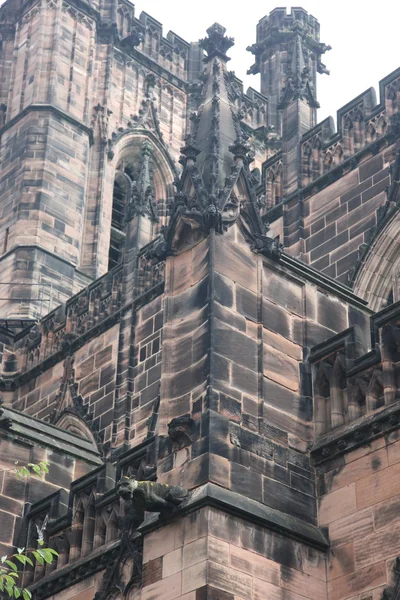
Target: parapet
(354,390)
(280,19)
(361,124)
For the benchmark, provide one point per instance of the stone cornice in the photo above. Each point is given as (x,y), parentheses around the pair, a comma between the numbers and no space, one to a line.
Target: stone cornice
(46,107)
(74,572)
(23,426)
(323,281)
(358,433)
(152,64)
(45,251)
(207,495)
(346,166)
(247,509)
(15,381)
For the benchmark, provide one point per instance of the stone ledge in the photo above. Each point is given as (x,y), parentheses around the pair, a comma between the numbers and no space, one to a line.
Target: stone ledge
(49,108)
(38,432)
(244,508)
(358,433)
(324,281)
(65,577)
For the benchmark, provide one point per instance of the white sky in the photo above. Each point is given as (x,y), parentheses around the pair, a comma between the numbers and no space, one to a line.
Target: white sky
(364,36)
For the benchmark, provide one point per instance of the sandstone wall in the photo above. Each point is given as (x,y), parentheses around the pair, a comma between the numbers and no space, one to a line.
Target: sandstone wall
(358,502)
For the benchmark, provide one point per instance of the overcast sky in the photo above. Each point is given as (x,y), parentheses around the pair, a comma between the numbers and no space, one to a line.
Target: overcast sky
(364,36)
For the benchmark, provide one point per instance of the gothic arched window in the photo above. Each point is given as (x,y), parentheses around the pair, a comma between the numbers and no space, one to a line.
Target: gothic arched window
(120,200)
(136,186)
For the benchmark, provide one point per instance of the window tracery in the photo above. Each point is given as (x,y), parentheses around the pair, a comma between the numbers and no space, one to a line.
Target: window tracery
(140,190)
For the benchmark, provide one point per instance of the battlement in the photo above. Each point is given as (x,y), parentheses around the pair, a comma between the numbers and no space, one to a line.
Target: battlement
(280,19)
(171,51)
(355,387)
(360,123)
(78,319)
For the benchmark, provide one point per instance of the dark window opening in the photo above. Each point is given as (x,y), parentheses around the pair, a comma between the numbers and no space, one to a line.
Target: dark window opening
(390,299)
(117,237)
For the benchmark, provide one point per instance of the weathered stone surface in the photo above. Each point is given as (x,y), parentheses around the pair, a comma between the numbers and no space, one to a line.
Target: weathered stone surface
(199,317)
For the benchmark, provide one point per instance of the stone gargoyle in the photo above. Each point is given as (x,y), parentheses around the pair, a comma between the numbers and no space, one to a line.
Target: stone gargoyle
(150,496)
(182,431)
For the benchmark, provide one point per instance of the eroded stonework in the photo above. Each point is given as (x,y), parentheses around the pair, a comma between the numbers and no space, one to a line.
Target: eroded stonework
(199,323)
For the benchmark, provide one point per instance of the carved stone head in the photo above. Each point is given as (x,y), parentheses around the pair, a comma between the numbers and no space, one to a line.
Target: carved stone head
(181,430)
(126,487)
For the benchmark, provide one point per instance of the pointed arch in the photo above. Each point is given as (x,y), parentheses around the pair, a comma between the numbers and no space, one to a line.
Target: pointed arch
(88,524)
(99,530)
(317,164)
(358,129)
(376,279)
(338,154)
(370,133)
(357,399)
(381,125)
(322,393)
(328,160)
(121,174)
(375,391)
(349,135)
(68,421)
(307,163)
(112,526)
(338,391)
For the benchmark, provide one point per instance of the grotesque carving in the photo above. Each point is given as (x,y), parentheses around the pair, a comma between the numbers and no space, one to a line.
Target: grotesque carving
(270,247)
(5,422)
(392,592)
(150,496)
(181,431)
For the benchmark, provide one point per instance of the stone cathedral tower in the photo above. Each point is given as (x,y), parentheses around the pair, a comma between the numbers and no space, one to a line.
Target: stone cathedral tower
(199,312)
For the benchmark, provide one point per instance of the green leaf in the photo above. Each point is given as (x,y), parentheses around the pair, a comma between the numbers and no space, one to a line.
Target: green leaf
(37,469)
(44,466)
(12,565)
(25,472)
(38,557)
(20,550)
(23,559)
(47,555)
(26,594)
(4,558)
(17,592)
(11,574)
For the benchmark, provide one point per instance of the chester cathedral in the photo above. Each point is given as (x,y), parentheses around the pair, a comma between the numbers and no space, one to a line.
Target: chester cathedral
(199,312)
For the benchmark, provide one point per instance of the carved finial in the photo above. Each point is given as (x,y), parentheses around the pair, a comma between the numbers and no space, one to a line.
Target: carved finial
(216,44)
